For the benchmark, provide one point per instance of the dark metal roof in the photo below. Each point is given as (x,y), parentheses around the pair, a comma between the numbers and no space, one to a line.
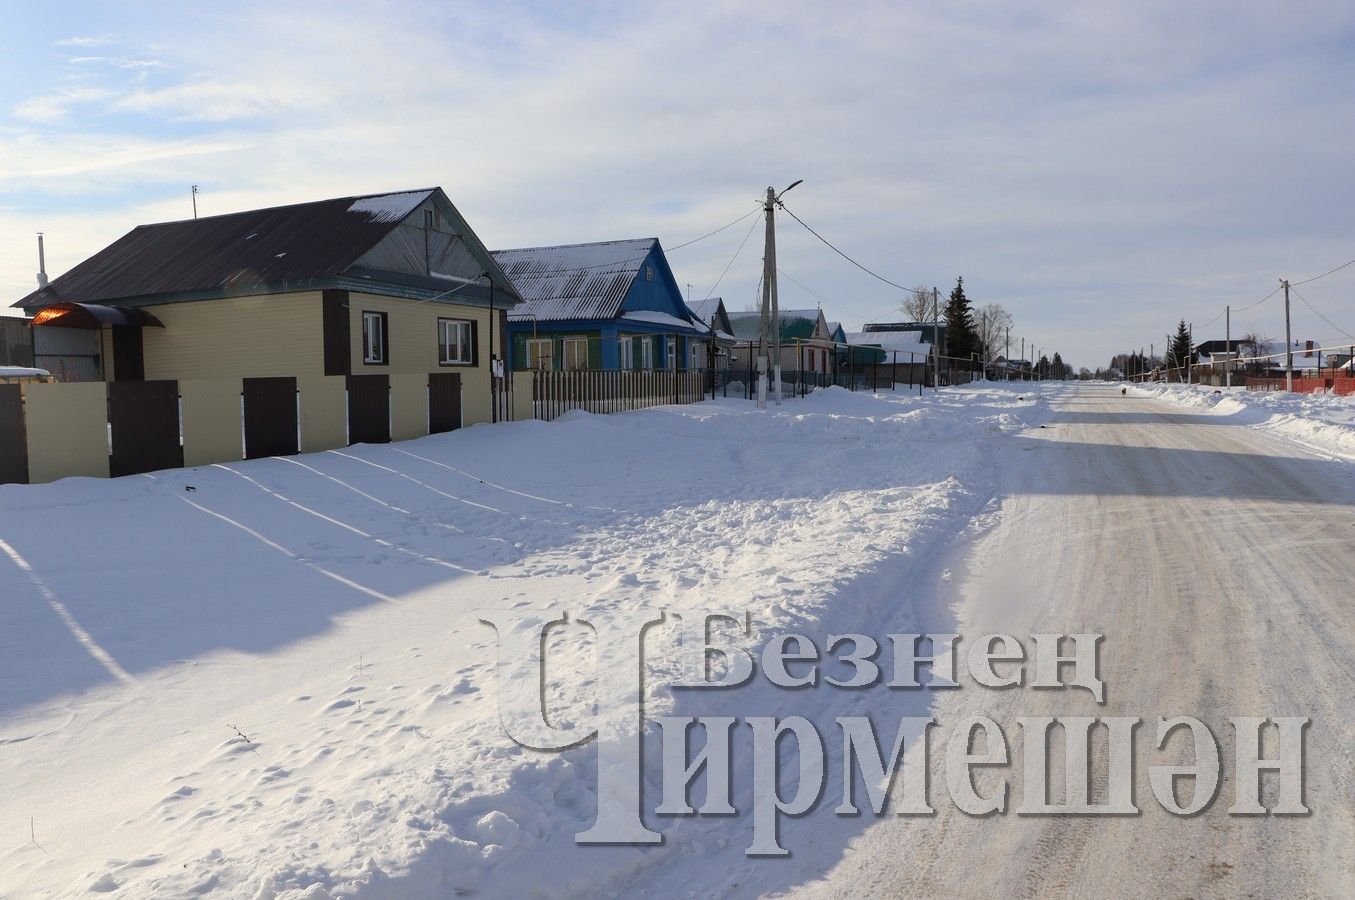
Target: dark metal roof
(237,252)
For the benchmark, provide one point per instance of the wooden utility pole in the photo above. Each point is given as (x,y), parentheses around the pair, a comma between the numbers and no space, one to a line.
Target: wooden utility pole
(1228,346)
(1007,356)
(1288,343)
(768,275)
(936,338)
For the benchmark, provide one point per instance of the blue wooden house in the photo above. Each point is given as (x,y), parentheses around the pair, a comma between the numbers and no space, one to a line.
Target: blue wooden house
(610,305)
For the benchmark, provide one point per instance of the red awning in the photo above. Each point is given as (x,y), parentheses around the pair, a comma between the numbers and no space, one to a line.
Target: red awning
(92,315)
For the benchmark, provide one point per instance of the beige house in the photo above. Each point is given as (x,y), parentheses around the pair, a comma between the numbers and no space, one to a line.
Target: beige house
(385,284)
(806,342)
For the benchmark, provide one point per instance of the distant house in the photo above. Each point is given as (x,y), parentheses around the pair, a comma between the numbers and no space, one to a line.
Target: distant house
(609,305)
(892,346)
(924,330)
(372,284)
(806,343)
(711,312)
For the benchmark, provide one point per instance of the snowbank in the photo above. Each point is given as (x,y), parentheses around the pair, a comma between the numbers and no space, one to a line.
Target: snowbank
(1321,422)
(268,678)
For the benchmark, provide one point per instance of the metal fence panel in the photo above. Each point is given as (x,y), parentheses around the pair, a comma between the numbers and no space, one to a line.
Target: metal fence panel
(143,417)
(369,409)
(270,417)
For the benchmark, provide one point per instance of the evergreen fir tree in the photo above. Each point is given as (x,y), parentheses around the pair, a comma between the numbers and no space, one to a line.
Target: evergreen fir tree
(961,337)
(1180,352)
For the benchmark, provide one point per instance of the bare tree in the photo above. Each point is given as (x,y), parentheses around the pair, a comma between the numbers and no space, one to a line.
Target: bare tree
(1254,344)
(916,305)
(992,321)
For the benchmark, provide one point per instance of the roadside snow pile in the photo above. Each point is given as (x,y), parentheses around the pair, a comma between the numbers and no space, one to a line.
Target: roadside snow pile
(269,678)
(1321,422)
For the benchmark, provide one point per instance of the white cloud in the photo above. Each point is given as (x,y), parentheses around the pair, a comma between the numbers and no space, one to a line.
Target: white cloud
(1104,163)
(204,101)
(95,40)
(56,106)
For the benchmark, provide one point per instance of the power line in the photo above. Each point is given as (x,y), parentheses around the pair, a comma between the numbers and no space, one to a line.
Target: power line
(1262,300)
(1318,314)
(830,246)
(1324,274)
(618,263)
(710,293)
(750,212)
(813,293)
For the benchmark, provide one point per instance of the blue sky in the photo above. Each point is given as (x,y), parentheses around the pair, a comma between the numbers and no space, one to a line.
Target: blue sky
(1100,169)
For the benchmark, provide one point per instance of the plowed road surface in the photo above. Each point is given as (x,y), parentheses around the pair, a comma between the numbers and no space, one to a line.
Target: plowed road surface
(1220,565)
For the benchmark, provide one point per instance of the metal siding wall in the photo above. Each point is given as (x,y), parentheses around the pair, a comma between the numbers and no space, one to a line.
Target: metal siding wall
(409,406)
(274,335)
(211,421)
(414,344)
(67,430)
(324,412)
(16,342)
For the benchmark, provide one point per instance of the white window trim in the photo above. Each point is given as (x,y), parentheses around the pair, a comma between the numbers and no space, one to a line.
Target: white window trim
(460,325)
(569,353)
(374,352)
(647,352)
(535,356)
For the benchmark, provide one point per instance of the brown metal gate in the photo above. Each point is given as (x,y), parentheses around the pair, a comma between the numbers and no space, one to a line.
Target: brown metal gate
(144,419)
(13,437)
(444,401)
(270,417)
(369,409)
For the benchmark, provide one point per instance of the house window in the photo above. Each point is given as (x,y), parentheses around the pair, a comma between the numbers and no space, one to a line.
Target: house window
(375,342)
(646,353)
(456,342)
(575,352)
(627,345)
(672,352)
(649,273)
(539,353)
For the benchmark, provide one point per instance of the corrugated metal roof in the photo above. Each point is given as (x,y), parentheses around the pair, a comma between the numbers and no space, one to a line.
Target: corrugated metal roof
(240,250)
(795,323)
(706,309)
(574,281)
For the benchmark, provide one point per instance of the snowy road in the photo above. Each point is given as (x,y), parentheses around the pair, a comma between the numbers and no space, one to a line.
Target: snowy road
(1220,565)
(269,679)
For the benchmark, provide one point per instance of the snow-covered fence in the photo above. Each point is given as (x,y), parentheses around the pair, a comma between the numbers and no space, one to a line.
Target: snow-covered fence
(604,391)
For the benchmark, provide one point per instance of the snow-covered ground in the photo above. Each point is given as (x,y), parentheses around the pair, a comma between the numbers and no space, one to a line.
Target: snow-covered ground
(267,679)
(1322,422)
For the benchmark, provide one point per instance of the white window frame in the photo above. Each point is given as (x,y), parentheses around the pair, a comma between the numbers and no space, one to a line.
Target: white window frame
(456,342)
(671,346)
(626,355)
(574,353)
(535,356)
(374,339)
(647,352)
